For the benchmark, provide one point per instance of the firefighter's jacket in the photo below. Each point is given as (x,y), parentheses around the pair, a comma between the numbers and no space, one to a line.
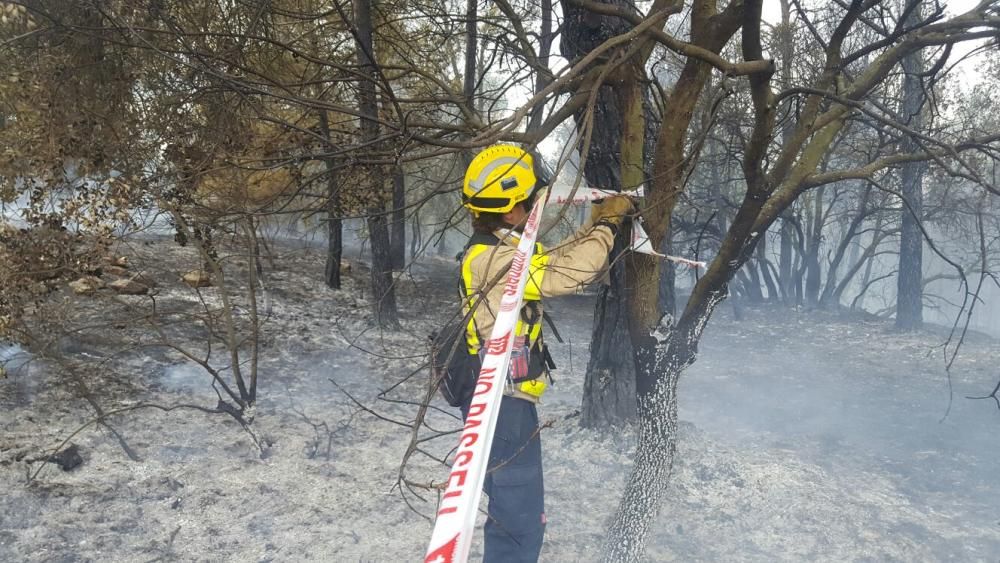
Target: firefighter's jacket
(573,263)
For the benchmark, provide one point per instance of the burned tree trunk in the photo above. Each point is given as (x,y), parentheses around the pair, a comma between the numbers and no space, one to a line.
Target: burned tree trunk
(765,272)
(785,249)
(815,241)
(383,294)
(334,225)
(786,47)
(335,235)
(397,238)
(659,364)
(909,287)
(663,349)
(609,388)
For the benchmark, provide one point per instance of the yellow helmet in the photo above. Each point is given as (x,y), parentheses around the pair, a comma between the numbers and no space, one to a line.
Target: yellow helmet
(500,177)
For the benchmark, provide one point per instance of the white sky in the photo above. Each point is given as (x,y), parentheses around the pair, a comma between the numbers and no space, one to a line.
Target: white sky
(772,8)
(966,70)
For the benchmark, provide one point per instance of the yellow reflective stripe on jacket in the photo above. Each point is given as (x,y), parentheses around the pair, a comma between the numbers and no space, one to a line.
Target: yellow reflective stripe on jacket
(532,292)
(536,272)
(471,335)
(533,288)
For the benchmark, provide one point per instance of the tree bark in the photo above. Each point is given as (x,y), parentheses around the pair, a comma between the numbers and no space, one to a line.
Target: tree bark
(765,272)
(415,235)
(786,249)
(609,397)
(668,272)
(383,294)
(787,49)
(813,271)
(668,278)
(657,405)
(663,350)
(471,34)
(909,287)
(335,235)
(334,225)
(542,77)
(397,239)
(609,387)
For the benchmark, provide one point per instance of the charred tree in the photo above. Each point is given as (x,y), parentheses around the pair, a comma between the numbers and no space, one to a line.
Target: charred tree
(775,177)
(909,286)
(786,48)
(397,238)
(662,347)
(609,387)
(815,241)
(833,289)
(471,37)
(542,74)
(383,294)
(765,271)
(334,224)
(785,250)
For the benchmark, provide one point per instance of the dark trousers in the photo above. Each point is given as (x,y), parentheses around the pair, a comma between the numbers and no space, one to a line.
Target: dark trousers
(516,514)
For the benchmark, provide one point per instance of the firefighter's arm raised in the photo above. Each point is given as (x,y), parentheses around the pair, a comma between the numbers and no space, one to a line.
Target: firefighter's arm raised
(581,257)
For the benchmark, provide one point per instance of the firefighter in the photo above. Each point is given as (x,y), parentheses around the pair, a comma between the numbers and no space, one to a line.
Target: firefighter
(499,189)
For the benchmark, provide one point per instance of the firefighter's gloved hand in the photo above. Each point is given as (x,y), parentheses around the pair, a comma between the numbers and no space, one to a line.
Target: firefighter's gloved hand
(611,210)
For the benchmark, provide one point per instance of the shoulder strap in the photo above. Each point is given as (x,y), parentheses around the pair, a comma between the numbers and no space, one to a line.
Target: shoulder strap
(552,325)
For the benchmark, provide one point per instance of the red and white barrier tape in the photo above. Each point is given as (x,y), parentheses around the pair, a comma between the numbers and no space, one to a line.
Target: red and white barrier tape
(640,240)
(584,195)
(456,515)
(641,243)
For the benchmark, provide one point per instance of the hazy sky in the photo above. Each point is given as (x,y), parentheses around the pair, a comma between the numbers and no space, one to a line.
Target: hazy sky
(772,8)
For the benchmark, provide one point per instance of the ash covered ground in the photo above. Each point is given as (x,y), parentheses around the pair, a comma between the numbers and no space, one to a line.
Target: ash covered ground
(805,436)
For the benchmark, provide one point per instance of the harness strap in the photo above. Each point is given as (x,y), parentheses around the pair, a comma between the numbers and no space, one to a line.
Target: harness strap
(552,325)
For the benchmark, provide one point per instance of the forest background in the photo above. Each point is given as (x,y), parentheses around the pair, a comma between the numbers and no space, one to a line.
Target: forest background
(820,156)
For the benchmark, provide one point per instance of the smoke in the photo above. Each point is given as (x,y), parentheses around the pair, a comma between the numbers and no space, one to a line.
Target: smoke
(822,391)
